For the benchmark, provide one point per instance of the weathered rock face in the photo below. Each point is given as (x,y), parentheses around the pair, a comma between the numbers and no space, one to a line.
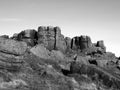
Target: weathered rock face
(46,60)
(75,44)
(60,41)
(85,42)
(46,36)
(82,42)
(101,44)
(68,42)
(12,46)
(51,37)
(29,36)
(30,33)
(40,51)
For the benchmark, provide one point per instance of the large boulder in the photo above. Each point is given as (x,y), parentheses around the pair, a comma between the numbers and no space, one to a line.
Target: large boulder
(51,37)
(40,51)
(12,47)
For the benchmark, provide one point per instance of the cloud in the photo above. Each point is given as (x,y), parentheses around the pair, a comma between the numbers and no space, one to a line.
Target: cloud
(10,19)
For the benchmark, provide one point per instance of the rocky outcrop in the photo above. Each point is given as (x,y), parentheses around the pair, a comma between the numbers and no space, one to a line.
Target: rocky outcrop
(51,37)
(82,42)
(46,60)
(42,52)
(12,47)
(68,42)
(101,44)
(29,36)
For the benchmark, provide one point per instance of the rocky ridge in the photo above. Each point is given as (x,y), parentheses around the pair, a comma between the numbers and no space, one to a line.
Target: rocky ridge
(44,59)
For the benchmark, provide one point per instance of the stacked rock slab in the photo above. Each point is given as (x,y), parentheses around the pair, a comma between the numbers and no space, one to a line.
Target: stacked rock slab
(51,38)
(12,47)
(11,52)
(82,42)
(29,36)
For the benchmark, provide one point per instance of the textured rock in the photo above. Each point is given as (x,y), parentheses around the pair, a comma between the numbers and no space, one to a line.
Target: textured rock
(68,42)
(12,46)
(75,43)
(46,36)
(51,38)
(60,41)
(29,36)
(85,42)
(58,55)
(82,42)
(46,60)
(13,84)
(101,44)
(40,51)
(30,33)
(30,42)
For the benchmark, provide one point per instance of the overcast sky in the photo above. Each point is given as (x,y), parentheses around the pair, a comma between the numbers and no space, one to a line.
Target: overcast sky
(99,19)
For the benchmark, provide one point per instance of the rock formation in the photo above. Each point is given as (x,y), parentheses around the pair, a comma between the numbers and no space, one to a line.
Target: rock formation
(44,59)
(51,37)
(82,42)
(12,47)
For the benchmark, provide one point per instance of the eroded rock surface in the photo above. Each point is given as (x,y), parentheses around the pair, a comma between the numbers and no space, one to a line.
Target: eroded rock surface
(12,47)
(44,59)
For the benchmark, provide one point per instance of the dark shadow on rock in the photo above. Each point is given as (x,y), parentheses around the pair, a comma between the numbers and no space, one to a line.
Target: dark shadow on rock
(65,72)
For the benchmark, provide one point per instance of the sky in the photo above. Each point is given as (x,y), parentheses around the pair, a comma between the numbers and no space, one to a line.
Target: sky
(99,19)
